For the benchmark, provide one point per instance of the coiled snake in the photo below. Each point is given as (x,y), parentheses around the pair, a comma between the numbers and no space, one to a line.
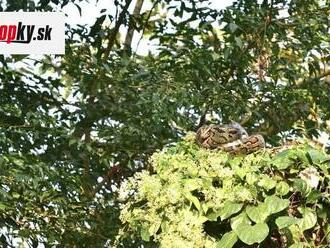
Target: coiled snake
(231,138)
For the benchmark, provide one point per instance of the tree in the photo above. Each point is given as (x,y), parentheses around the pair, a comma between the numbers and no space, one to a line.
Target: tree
(68,140)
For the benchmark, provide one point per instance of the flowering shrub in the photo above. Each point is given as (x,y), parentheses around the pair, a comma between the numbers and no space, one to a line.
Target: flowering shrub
(201,198)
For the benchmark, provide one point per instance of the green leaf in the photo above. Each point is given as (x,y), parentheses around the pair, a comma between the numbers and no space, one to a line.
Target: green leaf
(232,27)
(316,156)
(301,186)
(267,183)
(313,196)
(299,245)
(283,159)
(282,188)
(228,209)
(276,204)
(213,216)
(251,178)
(228,240)
(241,172)
(285,221)
(154,227)
(192,184)
(18,161)
(72,141)
(259,213)
(145,235)
(238,220)
(194,200)
(308,221)
(239,42)
(252,234)
(16,195)
(2,206)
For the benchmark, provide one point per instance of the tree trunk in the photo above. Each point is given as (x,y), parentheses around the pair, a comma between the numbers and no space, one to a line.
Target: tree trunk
(130,31)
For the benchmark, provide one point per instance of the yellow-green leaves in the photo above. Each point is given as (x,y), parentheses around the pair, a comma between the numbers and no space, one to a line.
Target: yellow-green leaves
(228,240)
(285,221)
(283,159)
(267,182)
(193,199)
(275,204)
(282,188)
(238,220)
(308,220)
(228,209)
(145,235)
(272,205)
(232,198)
(257,214)
(251,234)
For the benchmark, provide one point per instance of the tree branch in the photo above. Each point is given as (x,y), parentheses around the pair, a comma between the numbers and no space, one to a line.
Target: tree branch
(130,31)
(305,82)
(146,22)
(113,34)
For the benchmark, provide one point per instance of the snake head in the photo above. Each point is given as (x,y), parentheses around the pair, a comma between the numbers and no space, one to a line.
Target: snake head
(242,132)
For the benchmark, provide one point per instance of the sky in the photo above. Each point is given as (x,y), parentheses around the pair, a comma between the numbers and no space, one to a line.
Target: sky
(90,11)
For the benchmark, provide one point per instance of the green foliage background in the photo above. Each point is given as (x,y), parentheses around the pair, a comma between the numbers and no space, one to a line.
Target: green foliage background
(74,127)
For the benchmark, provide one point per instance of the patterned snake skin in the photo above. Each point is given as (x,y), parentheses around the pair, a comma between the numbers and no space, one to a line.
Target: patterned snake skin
(231,138)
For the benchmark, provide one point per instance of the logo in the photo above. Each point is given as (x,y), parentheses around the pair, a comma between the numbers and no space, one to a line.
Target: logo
(32,33)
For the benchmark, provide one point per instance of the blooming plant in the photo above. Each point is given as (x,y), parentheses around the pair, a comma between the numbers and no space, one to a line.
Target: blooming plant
(200,198)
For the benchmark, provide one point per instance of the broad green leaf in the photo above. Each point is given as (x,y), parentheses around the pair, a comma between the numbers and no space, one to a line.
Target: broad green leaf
(251,178)
(205,207)
(228,209)
(238,220)
(72,141)
(308,221)
(327,230)
(283,159)
(316,156)
(192,184)
(324,167)
(267,183)
(299,245)
(323,211)
(259,213)
(236,161)
(302,186)
(252,234)
(313,196)
(145,235)
(228,240)
(276,204)
(213,216)
(285,221)
(282,188)
(241,172)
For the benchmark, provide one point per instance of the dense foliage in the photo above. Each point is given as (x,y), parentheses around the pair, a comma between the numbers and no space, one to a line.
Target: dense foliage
(202,198)
(74,127)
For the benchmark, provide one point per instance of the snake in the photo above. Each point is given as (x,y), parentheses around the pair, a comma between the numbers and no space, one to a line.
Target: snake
(232,138)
